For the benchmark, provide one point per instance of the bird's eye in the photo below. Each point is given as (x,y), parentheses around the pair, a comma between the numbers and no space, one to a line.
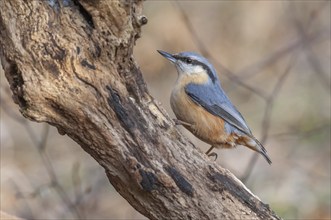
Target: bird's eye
(188,60)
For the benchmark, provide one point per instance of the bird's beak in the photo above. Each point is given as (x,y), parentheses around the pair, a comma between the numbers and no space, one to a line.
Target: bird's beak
(168,56)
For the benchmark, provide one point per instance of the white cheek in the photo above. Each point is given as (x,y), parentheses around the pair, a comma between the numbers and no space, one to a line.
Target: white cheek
(189,69)
(195,69)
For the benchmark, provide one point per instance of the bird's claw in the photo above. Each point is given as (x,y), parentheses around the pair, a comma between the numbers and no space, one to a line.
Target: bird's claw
(213,154)
(176,121)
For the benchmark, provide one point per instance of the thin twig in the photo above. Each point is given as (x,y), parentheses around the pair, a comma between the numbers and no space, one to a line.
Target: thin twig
(20,195)
(303,134)
(314,62)
(256,68)
(267,116)
(41,145)
(204,51)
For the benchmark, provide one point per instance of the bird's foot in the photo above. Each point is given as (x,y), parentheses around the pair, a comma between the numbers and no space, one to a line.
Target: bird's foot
(213,154)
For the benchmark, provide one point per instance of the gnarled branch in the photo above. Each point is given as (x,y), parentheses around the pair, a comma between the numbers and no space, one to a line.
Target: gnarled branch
(70,64)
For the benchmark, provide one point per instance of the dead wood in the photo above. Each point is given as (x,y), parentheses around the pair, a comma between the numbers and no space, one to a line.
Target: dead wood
(70,64)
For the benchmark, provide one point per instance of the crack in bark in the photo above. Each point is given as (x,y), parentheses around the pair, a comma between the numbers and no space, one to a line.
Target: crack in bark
(180,181)
(86,15)
(87,64)
(83,80)
(15,78)
(149,180)
(236,190)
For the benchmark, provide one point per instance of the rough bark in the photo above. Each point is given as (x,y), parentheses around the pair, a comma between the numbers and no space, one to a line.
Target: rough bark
(70,64)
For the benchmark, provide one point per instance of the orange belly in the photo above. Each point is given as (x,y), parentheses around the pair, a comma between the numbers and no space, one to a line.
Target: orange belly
(205,126)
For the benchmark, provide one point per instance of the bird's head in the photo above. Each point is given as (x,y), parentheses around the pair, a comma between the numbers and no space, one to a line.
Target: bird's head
(192,65)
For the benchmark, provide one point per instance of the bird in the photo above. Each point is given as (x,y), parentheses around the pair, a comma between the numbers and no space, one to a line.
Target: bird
(202,107)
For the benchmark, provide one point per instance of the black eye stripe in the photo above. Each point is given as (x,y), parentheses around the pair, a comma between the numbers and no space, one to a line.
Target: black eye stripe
(197,63)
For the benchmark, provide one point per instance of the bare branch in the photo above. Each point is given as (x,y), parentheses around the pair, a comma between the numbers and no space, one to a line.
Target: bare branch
(75,71)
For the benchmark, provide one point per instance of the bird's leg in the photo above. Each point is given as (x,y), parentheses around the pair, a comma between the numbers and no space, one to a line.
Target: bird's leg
(208,151)
(213,154)
(179,122)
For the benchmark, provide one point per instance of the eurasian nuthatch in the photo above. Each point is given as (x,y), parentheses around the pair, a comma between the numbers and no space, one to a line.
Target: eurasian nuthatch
(202,107)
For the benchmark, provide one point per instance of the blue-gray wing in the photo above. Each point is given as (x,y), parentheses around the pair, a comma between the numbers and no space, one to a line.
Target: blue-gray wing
(215,101)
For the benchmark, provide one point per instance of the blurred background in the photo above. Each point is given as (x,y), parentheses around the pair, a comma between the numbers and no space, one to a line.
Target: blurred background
(273,59)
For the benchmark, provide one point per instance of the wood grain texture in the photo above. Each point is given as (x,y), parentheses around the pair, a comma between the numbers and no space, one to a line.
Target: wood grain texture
(70,64)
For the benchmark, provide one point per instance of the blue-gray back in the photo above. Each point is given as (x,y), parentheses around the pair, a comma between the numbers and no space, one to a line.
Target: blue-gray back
(214,100)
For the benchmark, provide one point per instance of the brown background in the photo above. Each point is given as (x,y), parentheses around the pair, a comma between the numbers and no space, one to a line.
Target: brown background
(257,41)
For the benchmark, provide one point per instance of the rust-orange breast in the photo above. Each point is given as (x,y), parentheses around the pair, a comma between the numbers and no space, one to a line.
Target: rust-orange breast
(205,126)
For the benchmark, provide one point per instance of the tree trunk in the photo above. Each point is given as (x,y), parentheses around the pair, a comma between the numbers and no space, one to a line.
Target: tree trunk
(69,63)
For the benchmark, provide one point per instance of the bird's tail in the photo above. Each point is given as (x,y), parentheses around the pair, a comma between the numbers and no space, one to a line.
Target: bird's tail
(258,147)
(262,150)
